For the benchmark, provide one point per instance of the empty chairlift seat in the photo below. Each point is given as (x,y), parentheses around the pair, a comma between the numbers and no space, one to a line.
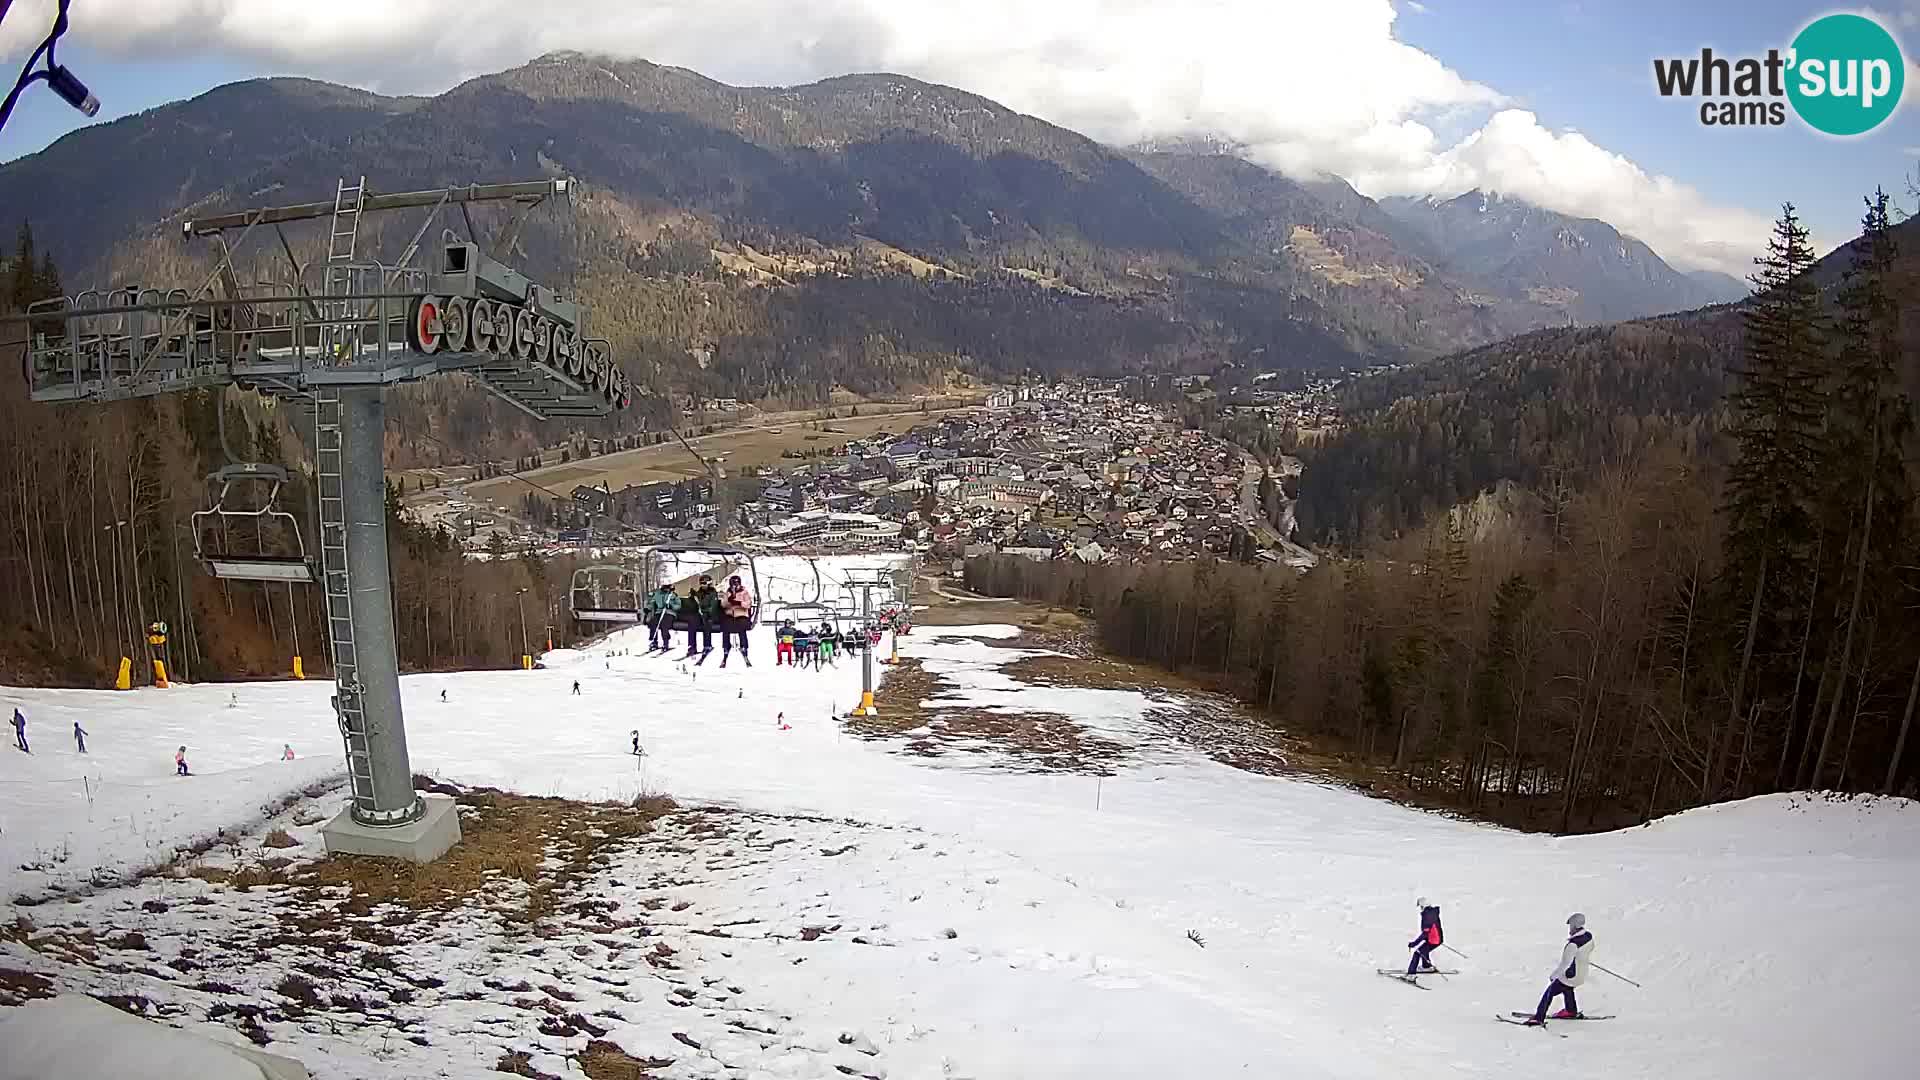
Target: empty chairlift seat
(242,537)
(607,594)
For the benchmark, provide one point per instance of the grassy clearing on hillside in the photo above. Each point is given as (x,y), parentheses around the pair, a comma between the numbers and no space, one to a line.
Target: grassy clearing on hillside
(756,446)
(1037,740)
(544,844)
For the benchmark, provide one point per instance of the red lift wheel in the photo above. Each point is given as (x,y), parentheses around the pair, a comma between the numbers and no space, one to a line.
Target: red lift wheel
(424,318)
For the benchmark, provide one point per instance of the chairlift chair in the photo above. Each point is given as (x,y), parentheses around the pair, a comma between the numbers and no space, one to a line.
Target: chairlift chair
(720,553)
(606,594)
(228,556)
(811,613)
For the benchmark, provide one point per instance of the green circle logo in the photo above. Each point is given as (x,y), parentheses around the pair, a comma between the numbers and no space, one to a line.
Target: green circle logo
(1847,74)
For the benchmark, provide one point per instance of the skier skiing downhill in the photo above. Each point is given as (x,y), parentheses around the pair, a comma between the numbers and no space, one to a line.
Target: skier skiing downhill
(180,762)
(736,614)
(20,730)
(1430,938)
(79,737)
(1569,973)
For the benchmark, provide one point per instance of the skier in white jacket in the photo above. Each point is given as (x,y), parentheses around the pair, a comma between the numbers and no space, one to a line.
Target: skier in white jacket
(1569,973)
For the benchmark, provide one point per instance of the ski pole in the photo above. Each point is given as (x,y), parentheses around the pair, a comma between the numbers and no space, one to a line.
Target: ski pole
(1619,976)
(1456,952)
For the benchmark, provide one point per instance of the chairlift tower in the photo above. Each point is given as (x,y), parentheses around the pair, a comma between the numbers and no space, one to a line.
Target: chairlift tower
(331,347)
(864,580)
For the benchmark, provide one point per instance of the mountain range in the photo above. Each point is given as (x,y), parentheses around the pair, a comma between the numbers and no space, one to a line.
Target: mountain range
(1554,406)
(868,231)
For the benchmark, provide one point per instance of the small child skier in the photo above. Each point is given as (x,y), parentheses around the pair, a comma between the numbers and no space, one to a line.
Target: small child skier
(286,751)
(806,647)
(1569,973)
(79,737)
(443,697)
(829,643)
(576,688)
(180,762)
(1430,938)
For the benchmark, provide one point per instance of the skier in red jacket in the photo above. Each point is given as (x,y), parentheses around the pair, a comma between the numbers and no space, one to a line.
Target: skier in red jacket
(1430,938)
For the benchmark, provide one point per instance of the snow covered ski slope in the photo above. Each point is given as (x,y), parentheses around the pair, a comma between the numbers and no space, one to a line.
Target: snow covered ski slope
(1176,917)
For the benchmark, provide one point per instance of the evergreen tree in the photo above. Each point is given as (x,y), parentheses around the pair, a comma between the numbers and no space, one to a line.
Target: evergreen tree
(1773,487)
(22,272)
(47,283)
(1868,422)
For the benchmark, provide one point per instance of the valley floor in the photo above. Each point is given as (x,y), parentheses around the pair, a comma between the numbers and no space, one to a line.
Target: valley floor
(1004,875)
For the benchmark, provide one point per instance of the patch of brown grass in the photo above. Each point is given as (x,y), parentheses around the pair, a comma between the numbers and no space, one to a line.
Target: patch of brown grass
(520,1063)
(299,988)
(603,1060)
(20,987)
(279,838)
(503,837)
(1046,741)
(1092,672)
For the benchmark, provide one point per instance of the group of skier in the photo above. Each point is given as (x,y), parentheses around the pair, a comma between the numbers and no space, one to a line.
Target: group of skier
(1575,959)
(20,734)
(703,609)
(20,743)
(803,646)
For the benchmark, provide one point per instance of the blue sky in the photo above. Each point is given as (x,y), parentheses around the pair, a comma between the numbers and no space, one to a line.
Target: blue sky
(1395,95)
(1588,65)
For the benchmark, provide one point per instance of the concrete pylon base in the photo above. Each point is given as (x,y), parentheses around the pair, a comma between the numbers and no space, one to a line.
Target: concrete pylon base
(420,841)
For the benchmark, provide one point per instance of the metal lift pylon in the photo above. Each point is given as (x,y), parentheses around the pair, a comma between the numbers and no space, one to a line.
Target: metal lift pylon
(335,349)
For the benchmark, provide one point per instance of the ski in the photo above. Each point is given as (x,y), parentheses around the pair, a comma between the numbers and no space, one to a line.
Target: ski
(1523,1023)
(1435,971)
(1401,976)
(1582,1016)
(703,658)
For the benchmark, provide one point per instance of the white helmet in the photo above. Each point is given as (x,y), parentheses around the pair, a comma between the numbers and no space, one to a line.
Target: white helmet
(1420,902)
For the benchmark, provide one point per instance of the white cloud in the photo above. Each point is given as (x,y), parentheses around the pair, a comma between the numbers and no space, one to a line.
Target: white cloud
(1416,7)
(1309,86)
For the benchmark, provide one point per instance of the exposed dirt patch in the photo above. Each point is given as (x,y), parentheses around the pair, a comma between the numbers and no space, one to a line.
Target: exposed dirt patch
(1042,741)
(504,838)
(1093,673)
(602,1060)
(520,1063)
(20,987)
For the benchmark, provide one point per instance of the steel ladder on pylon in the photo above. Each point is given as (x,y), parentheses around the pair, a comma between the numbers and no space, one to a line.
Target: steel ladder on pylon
(337,580)
(343,238)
